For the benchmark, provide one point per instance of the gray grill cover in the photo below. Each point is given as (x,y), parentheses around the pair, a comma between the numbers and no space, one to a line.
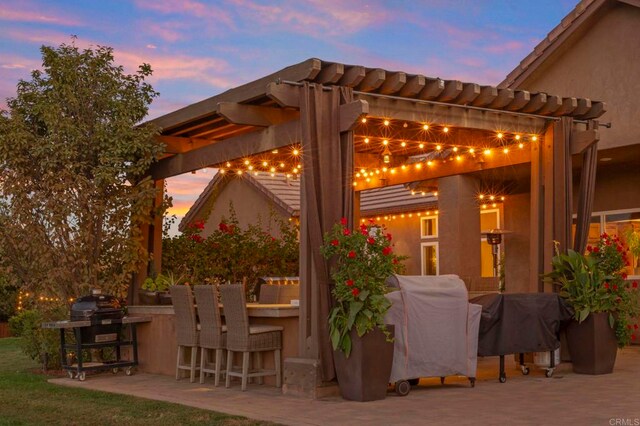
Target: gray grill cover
(436,328)
(518,323)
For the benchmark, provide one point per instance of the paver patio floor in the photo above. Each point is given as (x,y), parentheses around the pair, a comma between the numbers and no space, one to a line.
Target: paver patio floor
(566,398)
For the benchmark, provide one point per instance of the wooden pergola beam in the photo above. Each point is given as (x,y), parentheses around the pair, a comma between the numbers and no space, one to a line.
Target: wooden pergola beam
(351,113)
(581,140)
(409,110)
(487,95)
(414,86)
(449,168)
(353,76)
(216,152)
(597,109)
(330,74)
(178,145)
(505,96)
(568,106)
(470,91)
(520,99)
(432,89)
(393,83)
(552,105)
(284,95)
(451,91)
(536,102)
(372,80)
(253,115)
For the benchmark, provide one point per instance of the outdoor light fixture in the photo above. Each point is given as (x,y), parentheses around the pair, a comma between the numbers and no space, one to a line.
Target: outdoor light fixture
(494,239)
(386,155)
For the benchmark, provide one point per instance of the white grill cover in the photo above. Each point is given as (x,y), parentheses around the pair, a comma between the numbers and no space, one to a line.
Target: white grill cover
(436,328)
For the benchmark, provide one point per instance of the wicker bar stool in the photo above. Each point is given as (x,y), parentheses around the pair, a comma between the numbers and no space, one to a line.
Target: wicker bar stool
(187,335)
(269,293)
(245,338)
(213,336)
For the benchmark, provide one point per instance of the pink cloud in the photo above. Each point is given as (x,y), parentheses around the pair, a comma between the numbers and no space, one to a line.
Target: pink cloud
(23,11)
(211,71)
(167,31)
(188,7)
(506,47)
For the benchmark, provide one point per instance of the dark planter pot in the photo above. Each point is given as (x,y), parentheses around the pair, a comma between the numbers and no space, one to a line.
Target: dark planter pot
(164,298)
(364,376)
(592,345)
(148,297)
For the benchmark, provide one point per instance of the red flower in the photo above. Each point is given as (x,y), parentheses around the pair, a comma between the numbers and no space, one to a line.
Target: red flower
(634,284)
(197,238)
(624,275)
(589,248)
(352,254)
(395,261)
(388,237)
(364,232)
(355,292)
(343,221)
(633,337)
(371,240)
(349,283)
(387,250)
(335,243)
(345,231)
(635,326)
(223,227)
(363,227)
(372,221)
(596,250)
(606,285)
(604,235)
(615,287)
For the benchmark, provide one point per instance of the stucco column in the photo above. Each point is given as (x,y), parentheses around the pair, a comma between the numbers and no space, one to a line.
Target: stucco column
(459,226)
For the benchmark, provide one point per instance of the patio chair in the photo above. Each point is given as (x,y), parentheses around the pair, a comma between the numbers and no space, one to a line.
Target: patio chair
(213,336)
(269,293)
(288,292)
(187,334)
(245,338)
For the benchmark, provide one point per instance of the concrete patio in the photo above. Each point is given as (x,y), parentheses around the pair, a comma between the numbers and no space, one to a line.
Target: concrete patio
(564,398)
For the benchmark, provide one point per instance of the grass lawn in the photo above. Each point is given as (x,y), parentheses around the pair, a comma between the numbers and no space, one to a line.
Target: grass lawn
(27,399)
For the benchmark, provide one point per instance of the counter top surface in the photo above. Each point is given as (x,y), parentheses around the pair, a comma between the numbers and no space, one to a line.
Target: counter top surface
(253,309)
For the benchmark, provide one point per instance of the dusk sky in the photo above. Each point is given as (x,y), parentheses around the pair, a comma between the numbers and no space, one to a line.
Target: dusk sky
(200,48)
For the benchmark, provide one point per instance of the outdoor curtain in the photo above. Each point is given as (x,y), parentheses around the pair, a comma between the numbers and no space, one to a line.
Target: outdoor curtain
(585,196)
(326,197)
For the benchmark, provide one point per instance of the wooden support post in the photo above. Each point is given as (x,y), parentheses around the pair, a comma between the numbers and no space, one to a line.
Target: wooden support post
(547,201)
(537,225)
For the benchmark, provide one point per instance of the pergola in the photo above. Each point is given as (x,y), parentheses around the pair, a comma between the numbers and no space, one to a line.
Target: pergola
(345,128)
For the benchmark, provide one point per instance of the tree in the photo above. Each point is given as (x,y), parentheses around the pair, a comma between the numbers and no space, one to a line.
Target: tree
(74,186)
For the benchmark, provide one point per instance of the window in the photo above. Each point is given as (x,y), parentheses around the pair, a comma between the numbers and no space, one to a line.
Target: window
(430,258)
(625,224)
(429,227)
(489,219)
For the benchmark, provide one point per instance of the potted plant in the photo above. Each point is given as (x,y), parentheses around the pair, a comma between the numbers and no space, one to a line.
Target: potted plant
(362,260)
(155,291)
(604,304)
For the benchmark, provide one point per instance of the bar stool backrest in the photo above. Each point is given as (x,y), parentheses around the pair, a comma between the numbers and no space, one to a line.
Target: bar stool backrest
(236,317)
(185,314)
(209,314)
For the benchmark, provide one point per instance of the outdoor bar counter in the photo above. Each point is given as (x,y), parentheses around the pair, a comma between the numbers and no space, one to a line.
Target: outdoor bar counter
(157,349)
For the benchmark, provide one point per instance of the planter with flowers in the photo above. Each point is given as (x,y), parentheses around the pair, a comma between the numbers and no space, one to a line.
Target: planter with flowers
(362,260)
(605,305)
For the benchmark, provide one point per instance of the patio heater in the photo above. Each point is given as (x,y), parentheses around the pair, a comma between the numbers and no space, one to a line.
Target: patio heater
(494,239)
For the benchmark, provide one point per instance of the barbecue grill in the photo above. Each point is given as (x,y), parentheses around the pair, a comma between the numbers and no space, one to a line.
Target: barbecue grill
(105,314)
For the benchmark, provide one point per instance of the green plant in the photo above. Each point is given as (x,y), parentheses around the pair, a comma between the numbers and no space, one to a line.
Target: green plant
(75,162)
(363,259)
(590,284)
(39,344)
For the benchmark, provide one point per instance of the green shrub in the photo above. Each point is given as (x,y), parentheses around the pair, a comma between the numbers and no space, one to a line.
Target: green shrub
(39,344)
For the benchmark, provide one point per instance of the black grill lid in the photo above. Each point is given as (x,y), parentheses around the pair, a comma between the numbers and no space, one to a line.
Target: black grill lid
(96,306)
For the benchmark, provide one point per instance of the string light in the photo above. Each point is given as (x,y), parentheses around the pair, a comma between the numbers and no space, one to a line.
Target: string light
(425,127)
(386,122)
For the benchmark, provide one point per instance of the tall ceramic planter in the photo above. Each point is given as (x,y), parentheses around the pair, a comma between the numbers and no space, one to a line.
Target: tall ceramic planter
(592,345)
(364,376)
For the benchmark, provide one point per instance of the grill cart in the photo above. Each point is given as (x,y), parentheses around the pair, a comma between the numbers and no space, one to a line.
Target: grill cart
(521,323)
(436,330)
(96,323)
